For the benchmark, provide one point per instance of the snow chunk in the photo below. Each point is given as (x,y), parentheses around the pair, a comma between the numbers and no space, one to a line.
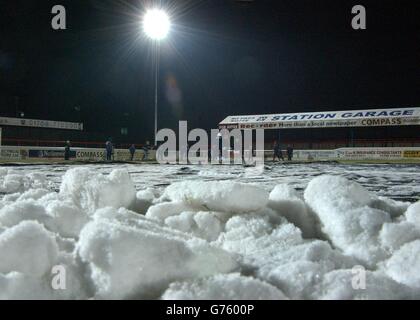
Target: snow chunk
(12,181)
(285,200)
(394,235)
(29,248)
(68,219)
(223,287)
(165,210)
(59,216)
(393,207)
(343,208)
(91,191)
(16,212)
(279,255)
(183,222)
(332,192)
(148,195)
(297,269)
(209,225)
(224,196)
(16,285)
(78,285)
(133,257)
(413,214)
(204,225)
(144,199)
(404,265)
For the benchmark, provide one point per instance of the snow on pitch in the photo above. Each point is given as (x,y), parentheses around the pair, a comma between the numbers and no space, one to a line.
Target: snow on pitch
(203,239)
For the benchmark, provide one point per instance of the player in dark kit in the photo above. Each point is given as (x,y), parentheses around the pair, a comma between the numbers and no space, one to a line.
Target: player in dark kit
(132,151)
(277,151)
(289,153)
(67,151)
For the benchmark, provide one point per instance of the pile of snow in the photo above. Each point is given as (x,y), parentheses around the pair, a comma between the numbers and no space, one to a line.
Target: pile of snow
(225,196)
(280,256)
(92,191)
(202,208)
(61,216)
(12,181)
(350,217)
(132,257)
(203,240)
(29,254)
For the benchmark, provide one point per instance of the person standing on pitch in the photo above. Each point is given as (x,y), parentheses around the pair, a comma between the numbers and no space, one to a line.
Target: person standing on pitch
(108,150)
(277,151)
(146,151)
(132,151)
(289,153)
(67,151)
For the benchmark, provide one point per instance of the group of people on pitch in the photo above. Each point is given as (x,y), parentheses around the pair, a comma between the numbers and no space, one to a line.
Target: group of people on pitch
(278,153)
(145,149)
(109,151)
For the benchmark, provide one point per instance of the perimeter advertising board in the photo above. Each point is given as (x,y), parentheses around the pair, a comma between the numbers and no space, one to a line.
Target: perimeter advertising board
(378,153)
(99,155)
(21,122)
(326,119)
(14,153)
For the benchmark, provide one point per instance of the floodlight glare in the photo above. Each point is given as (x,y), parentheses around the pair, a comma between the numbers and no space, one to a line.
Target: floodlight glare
(156,24)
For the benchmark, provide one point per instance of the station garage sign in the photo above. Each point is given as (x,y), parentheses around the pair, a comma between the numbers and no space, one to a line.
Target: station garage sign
(326,119)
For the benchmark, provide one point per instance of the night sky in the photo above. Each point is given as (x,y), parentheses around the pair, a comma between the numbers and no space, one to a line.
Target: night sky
(222,57)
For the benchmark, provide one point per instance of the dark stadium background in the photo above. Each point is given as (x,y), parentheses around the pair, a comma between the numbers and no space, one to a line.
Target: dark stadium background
(225,57)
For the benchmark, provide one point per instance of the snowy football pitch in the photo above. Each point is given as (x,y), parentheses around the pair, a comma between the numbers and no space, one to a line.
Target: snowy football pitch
(296,231)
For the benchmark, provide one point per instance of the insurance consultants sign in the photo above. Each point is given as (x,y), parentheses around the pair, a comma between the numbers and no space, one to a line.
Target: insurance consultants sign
(5,121)
(326,119)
